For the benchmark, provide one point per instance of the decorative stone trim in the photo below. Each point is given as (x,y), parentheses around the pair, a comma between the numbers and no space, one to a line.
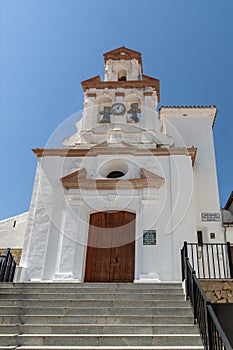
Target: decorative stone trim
(91,95)
(78,180)
(146,81)
(129,54)
(122,94)
(92,152)
(218,291)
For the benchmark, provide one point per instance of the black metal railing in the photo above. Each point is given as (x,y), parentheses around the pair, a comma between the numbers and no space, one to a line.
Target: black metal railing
(212,334)
(7,266)
(218,339)
(209,260)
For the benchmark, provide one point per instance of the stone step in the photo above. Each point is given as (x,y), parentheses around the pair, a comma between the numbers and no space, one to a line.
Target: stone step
(149,311)
(93,316)
(101,285)
(93,303)
(97,296)
(98,329)
(95,319)
(90,290)
(105,347)
(101,340)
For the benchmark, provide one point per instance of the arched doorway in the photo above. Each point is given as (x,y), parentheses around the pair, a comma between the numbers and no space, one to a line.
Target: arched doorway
(111,247)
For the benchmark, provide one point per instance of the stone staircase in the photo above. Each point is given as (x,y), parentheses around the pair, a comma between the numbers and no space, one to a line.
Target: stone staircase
(95,316)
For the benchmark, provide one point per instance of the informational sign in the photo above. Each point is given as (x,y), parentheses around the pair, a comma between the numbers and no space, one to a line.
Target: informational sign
(210,217)
(149,237)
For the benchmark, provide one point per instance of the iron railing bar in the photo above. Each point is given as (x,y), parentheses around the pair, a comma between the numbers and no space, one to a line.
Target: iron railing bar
(219,270)
(203,262)
(192,256)
(208,260)
(230,259)
(213,261)
(197,260)
(223,258)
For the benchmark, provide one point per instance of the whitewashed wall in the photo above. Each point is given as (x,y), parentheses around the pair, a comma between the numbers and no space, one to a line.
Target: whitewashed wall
(12,231)
(55,247)
(197,131)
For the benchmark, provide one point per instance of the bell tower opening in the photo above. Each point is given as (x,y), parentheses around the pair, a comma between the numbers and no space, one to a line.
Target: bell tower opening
(122,75)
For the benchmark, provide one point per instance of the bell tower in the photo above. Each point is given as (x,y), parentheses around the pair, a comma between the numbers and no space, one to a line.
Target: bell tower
(122,107)
(122,64)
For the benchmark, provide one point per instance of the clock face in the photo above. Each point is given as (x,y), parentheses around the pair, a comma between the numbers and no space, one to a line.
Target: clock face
(118,109)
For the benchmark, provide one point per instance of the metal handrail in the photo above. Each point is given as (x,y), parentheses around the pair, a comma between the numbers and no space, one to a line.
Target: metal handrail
(213,336)
(209,260)
(216,342)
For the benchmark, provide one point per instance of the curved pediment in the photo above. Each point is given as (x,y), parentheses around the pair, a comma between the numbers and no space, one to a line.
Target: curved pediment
(79,180)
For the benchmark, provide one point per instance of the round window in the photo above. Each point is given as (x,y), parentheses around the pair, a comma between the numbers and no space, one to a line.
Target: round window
(114,168)
(115,174)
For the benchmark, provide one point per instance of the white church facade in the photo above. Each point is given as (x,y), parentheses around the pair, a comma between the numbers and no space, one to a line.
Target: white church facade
(118,200)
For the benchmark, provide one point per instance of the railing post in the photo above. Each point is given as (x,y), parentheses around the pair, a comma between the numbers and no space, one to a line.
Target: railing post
(184,255)
(194,298)
(12,271)
(7,266)
(210,342)
(185,249)
(230,259)
(5,257)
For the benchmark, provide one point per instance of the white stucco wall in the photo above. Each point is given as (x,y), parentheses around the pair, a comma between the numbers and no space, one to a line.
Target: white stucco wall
(56,238)
(12,231)
(229,234)
(197,131)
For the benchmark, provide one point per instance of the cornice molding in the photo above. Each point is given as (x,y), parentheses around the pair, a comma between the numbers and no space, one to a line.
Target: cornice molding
(92,152)
(96,83)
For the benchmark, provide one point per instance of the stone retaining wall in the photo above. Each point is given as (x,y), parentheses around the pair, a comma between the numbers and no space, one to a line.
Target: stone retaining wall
(15,252)
(218,291)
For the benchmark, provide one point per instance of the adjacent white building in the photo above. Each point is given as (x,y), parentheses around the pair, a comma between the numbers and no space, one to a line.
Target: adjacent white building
(117,202)
(227,220)
(12,231)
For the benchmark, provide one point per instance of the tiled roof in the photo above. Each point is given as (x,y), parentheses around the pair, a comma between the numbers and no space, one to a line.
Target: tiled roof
(122,53)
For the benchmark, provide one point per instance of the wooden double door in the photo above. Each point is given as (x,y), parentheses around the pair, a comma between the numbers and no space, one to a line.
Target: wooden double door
(111,247)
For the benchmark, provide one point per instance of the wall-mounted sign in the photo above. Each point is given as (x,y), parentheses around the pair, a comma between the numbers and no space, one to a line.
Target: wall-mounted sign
(149,237)
(210,217)
(212,235)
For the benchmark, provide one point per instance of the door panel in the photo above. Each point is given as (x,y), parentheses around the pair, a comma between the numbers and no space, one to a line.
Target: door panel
(111,247)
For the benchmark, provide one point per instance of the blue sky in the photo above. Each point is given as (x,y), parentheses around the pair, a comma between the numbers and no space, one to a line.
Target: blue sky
(49,46)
